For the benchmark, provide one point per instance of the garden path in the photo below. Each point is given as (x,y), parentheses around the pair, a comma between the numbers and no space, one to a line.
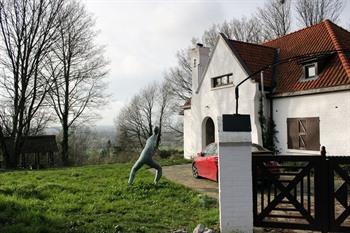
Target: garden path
(182,174)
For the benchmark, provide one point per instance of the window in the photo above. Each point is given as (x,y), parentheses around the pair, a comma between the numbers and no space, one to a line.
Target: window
(230,79)
(194,63)
(223,80)
(303,133)
(310,71)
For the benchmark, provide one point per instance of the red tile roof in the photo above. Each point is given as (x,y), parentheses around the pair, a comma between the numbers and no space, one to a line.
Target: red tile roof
(324,36)
(254,57)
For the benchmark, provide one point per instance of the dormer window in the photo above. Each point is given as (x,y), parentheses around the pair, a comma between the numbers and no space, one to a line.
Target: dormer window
(310,71)
(313,66)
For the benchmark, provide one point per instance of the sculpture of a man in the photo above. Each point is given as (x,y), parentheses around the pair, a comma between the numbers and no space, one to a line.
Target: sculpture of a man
(146,158)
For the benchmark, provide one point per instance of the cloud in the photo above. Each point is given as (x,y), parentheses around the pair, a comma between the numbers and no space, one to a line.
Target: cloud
(142,37)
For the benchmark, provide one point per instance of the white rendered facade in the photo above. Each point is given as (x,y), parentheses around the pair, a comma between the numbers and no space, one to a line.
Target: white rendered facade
(330,105)
(333,110)
(208,102)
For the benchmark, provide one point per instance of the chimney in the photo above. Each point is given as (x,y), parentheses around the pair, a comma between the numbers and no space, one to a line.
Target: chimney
(199,61)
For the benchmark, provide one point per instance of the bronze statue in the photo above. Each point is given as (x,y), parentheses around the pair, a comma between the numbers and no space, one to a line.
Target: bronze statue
(146,158)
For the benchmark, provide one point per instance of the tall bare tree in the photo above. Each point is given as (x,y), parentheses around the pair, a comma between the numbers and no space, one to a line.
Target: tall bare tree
(148,98)
(210,36)
(244,29)
(164,107)
(275,18)
(135,121)
(151,106)
(41,121)
(312,12)
(27,33)
(179,77)
(78,67)
(131,126)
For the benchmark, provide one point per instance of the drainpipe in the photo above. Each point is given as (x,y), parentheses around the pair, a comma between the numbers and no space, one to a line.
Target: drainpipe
(262,91)
(271,107)
(262,97)
(262,83)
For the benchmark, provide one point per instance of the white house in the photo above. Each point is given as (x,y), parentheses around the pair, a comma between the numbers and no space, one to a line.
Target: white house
(307,97)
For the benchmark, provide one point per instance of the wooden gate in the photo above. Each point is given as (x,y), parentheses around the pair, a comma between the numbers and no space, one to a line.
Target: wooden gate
(339,190)
(301,192)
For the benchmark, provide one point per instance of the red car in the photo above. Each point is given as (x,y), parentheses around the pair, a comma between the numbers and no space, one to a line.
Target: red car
(205,164)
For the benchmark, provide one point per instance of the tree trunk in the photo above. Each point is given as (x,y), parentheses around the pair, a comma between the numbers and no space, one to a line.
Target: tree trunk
(159,136)
(16,149)
(65,126)
(64,144)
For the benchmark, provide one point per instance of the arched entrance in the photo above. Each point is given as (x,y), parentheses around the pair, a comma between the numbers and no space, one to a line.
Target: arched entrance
(209,131)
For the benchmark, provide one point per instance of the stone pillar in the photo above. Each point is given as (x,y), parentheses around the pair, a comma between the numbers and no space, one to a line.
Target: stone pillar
(235,174)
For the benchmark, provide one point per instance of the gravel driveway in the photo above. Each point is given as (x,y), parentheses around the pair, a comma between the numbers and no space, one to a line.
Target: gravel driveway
(182,174)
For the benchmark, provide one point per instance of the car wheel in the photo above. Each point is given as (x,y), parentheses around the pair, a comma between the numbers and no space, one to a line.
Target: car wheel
(194,171)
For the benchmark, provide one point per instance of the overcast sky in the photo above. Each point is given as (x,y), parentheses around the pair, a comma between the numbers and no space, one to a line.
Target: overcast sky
(142,37)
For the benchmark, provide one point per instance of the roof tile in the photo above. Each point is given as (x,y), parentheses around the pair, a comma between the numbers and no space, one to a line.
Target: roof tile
(325,36)
(254,57)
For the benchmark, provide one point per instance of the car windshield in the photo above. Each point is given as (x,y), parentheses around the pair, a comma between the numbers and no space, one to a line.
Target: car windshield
(210,149)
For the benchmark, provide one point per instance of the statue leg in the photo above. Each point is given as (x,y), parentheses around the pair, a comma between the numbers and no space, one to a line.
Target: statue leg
(138,164)
(156,166)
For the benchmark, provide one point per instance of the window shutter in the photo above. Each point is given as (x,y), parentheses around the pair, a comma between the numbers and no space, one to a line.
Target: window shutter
(313,133)
(293,134)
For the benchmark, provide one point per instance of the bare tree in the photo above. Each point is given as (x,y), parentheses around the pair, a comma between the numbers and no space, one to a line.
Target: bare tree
(80,143)
(179,77)
(247,30)
(164,106)
(312,12)
(148,98)
(130,125)
(210,36)
(152,106)
(41,121)
(275,18)
(78,67)
(135,121)
(27,32)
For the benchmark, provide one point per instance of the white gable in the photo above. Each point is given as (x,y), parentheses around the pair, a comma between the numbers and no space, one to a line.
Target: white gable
(213,102)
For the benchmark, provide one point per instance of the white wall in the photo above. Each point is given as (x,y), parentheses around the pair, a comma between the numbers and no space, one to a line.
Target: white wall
(333,109)
(212,103)
(189,135)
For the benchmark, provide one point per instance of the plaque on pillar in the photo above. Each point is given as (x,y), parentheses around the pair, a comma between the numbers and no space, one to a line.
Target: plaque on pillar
(236,123)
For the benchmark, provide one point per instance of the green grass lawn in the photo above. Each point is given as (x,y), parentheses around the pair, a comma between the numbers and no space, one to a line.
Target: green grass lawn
(97,199)
(173,161)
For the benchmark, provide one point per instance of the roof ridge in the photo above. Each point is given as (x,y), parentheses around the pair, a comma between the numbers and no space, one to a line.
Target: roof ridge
(337,46)
(297,31)
(250,43)
(334,24)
